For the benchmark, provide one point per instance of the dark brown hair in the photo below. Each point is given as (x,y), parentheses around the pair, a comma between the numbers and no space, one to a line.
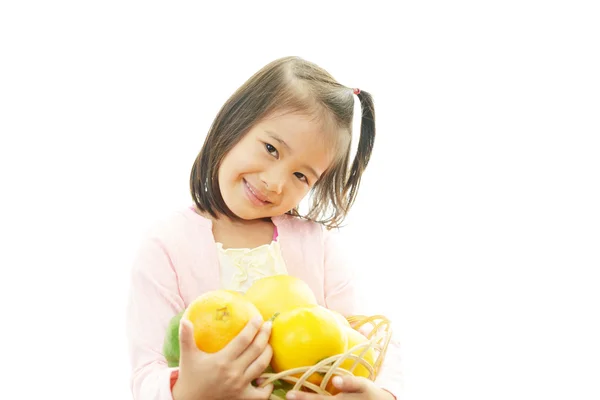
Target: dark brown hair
(296,85)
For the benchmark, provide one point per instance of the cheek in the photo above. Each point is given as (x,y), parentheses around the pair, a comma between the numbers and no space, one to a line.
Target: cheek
(297,192)
(232,166)
(229,171)
(247,162)
(225,168)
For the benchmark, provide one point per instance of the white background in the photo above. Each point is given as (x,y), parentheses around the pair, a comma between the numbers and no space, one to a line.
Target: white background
(476,229)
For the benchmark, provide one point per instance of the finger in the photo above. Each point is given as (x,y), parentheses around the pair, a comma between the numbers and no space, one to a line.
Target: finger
(298,395)
(351,384)
(259,381)
(258,393)
(236,347)
(259,365)
(257,347)
(264,392)
(187,343)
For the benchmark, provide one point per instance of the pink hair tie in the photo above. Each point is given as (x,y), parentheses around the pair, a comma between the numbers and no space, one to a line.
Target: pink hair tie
(356,90)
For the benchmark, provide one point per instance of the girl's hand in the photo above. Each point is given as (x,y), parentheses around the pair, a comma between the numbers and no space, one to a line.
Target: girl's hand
(352,388)
(228,373)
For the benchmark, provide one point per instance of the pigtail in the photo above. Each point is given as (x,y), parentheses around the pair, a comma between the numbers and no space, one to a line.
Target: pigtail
(365,147)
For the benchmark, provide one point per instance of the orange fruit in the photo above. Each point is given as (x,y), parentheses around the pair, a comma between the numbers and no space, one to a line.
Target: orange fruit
(218,316)
(304,336)
(354,339)
(279,293)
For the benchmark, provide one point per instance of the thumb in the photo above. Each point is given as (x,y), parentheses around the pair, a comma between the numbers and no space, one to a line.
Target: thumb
(350,384)
(262,393)
(187,343)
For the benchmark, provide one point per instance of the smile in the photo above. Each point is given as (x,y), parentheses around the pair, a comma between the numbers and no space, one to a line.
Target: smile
(255,196)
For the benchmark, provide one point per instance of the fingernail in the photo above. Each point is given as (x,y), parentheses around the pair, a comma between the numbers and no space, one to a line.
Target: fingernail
(267,325)
(290,395)
(183,325)
(337,381)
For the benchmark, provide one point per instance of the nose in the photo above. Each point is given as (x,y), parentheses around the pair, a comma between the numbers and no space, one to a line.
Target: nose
(274,180)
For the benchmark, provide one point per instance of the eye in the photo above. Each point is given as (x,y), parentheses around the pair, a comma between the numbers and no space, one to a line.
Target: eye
(301,176)
(272,150)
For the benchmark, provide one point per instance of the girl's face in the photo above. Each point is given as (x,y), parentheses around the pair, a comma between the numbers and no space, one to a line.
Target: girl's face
(270,170)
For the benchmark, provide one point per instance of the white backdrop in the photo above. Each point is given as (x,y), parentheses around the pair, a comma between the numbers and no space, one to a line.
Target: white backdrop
(476,229)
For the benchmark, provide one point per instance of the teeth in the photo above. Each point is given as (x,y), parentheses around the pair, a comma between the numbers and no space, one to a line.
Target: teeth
(253,192)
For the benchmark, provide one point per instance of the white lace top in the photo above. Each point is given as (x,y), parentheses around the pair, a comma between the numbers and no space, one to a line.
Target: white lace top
(241,267)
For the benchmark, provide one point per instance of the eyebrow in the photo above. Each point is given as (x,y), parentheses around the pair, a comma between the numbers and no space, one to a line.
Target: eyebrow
(274,136)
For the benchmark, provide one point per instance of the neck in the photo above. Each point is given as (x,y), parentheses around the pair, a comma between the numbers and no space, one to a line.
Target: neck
(224,219)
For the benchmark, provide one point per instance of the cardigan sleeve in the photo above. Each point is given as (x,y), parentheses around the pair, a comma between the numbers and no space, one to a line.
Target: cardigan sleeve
(339,279)
(153,300)
(341,295)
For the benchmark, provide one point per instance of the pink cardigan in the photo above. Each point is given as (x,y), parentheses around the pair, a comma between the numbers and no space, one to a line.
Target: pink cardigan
(178,261)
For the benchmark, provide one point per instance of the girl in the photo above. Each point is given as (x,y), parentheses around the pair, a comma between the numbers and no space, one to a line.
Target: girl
(284,133)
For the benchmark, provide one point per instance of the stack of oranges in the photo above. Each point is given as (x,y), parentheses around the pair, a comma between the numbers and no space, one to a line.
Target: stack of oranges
(303,332)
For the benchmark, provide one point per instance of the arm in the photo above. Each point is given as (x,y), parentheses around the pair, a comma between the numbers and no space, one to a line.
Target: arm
(341,296)
(340,287)
(153,299)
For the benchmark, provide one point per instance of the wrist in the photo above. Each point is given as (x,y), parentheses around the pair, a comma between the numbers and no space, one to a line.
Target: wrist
(178,389)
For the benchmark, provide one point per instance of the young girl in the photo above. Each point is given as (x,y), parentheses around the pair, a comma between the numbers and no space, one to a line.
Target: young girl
(284,133)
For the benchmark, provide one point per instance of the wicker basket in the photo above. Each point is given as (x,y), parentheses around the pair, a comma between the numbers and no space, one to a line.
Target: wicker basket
(378,330)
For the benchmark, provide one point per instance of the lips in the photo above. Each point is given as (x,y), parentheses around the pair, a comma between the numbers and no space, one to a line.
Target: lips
(256,193)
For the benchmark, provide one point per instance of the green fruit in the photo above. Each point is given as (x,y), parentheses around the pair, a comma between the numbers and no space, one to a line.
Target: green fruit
(281,387)
(171,342)
(281,393)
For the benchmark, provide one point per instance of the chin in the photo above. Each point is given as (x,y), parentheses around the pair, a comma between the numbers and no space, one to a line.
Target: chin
(245,216)
(245,213)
